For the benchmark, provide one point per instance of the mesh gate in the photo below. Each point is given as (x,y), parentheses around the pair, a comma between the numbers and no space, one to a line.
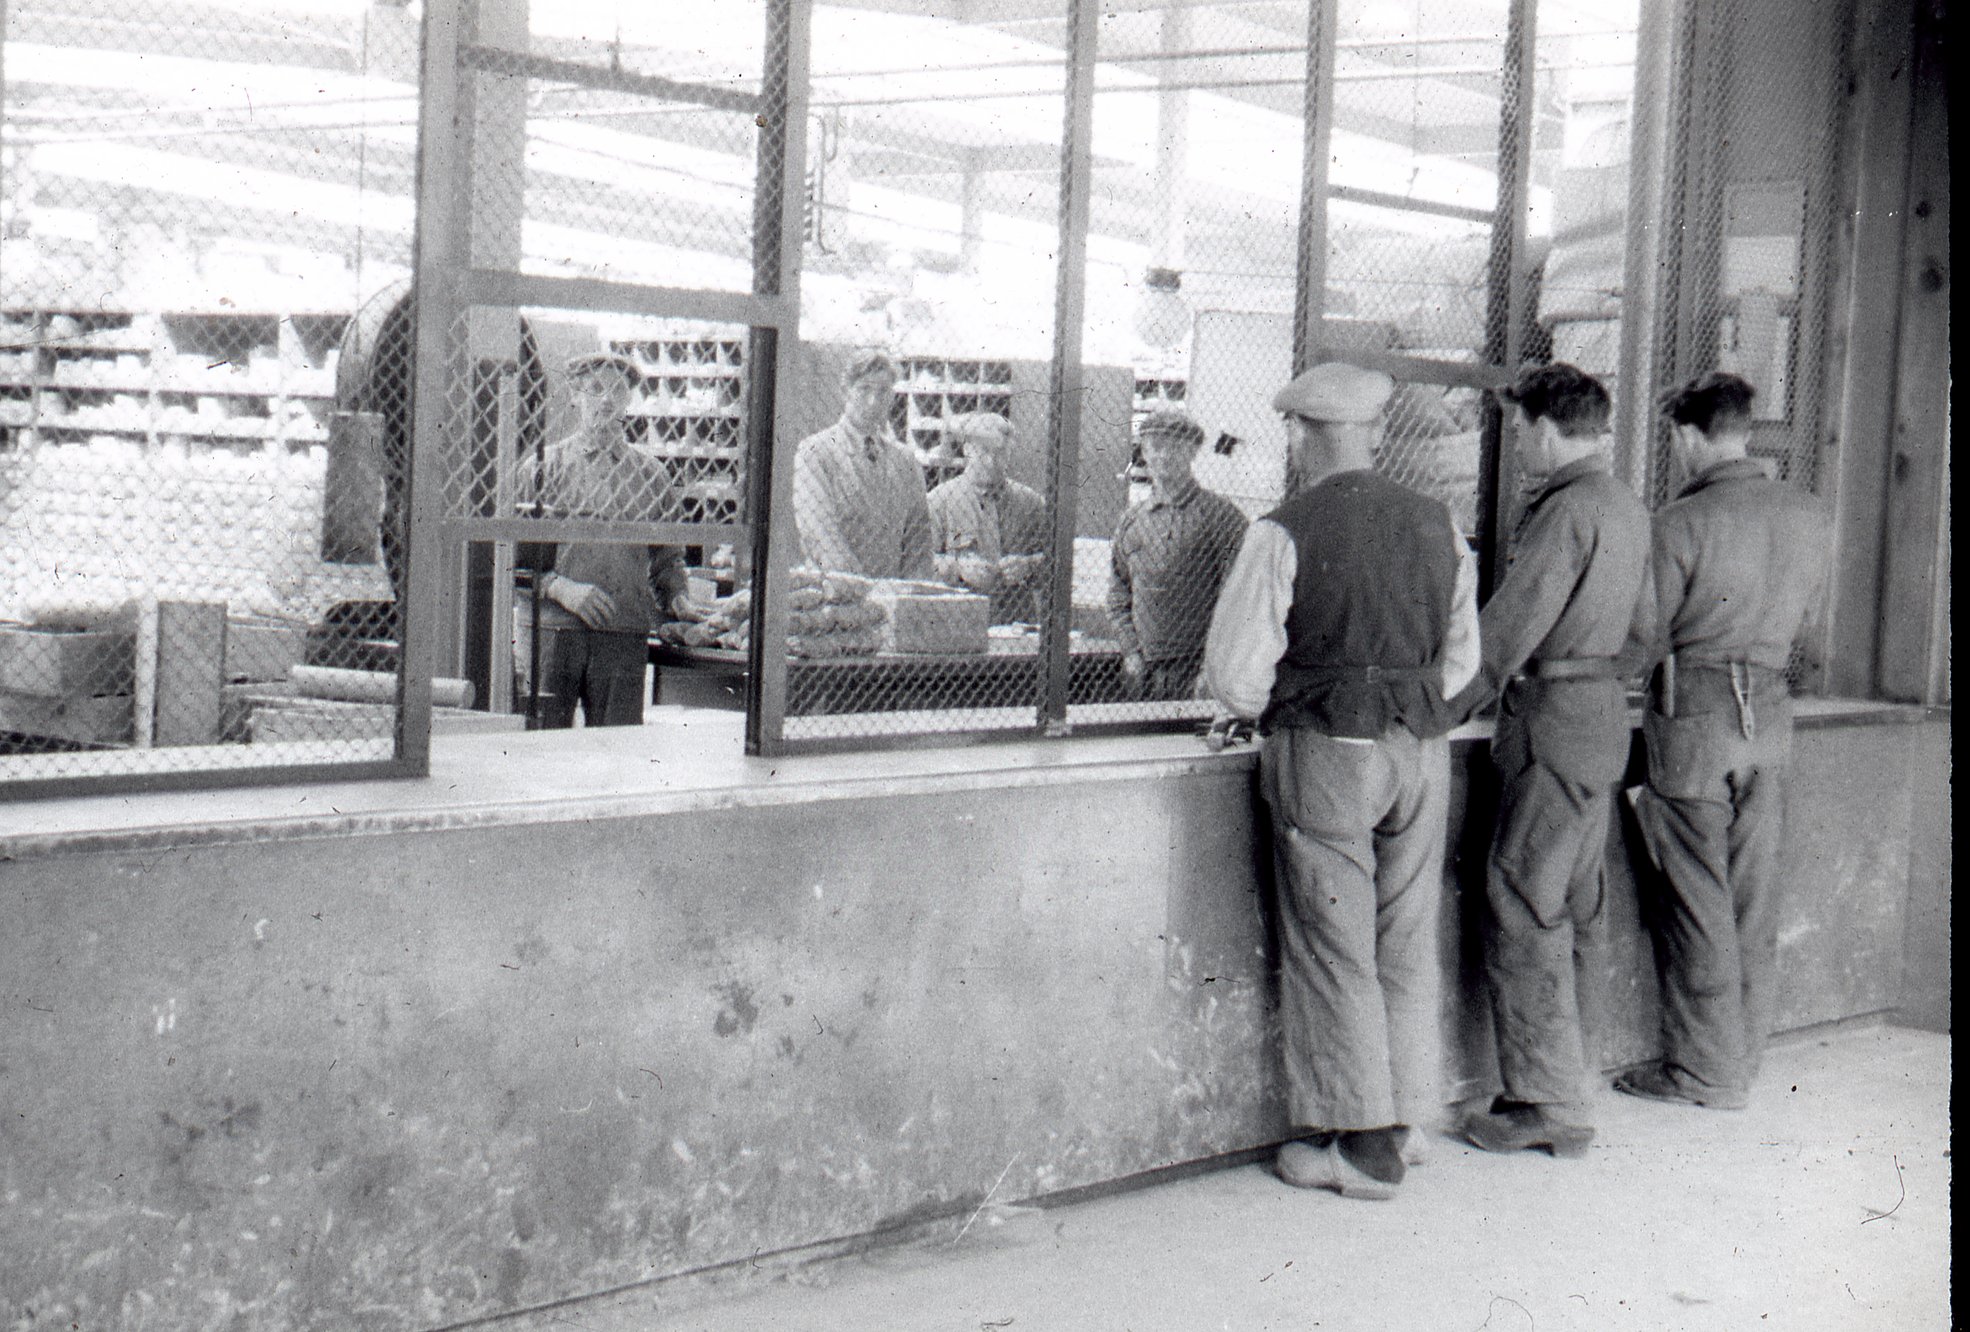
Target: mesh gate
(197,201)
(607,312)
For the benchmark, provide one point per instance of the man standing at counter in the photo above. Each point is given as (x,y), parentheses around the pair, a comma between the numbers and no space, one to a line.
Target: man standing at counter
(1552,633)
(1168,559)
(858,496)
(987,531)
(600,601)
(1348,621)
(1737,567)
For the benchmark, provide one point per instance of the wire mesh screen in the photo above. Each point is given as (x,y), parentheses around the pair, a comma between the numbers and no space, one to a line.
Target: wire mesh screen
(1198,149)
(635,155)
(922,404)
(192,494)
(1755,140)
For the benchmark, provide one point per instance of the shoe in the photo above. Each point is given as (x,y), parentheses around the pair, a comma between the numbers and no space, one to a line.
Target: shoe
(1656,1083)
(1415,1148)
(1524,1127)
(1305,1166)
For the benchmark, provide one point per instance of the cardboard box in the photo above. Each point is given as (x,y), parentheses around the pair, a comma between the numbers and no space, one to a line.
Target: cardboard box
(65,663)
(258,650)
(931,617)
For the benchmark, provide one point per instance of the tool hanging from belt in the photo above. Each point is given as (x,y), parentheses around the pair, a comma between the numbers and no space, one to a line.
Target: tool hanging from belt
(1747,724)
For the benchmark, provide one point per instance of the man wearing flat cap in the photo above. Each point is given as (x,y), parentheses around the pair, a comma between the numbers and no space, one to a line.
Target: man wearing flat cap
(1347,624)
(1737,570)
(599,601)
(1167,561)
(858,494)
(1553,633)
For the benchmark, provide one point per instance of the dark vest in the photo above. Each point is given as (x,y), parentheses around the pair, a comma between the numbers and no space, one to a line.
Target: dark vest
(1377,570)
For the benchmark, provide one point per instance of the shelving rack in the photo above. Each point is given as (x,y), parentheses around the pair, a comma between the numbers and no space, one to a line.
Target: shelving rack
(931,392)
(692,415)
(237,380)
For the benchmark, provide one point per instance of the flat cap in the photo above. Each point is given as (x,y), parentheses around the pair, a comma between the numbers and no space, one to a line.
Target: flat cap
(590,363)
(1335,391)
(1177,425)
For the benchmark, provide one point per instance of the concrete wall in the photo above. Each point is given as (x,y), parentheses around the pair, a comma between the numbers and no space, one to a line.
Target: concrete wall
(399,1079)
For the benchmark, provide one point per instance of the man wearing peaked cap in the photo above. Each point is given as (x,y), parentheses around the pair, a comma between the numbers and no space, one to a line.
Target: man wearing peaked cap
(600,600)
(604,364)
(1167,561)
(1335,391)
(1347,623)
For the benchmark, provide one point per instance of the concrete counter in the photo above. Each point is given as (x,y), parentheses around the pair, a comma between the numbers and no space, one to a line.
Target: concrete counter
(587,1010)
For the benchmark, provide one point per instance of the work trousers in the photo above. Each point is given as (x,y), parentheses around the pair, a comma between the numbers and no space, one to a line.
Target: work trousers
(1546,887)
(1359,832)
(1713,820)
(600,672)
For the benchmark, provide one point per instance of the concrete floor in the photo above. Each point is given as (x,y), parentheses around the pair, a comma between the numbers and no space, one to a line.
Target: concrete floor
(1824,1205)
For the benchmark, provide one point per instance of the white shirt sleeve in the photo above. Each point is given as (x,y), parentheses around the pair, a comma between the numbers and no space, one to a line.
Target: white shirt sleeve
(1461,654)
(1248,625)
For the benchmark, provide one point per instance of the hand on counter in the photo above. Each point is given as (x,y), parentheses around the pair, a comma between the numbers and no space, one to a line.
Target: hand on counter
(1021,570)
(683,608)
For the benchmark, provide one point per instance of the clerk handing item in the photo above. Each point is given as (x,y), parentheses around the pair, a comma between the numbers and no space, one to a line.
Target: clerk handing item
(987,531)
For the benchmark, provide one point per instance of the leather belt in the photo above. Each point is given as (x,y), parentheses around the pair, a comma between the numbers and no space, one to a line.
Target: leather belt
(1571,668)
(1367,674)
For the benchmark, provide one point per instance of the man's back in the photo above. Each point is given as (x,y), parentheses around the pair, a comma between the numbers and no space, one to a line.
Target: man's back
(1738,567)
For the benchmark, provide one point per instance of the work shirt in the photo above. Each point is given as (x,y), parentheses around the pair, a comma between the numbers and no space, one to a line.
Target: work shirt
(1249,634)
(1580,563)
(614,482)
(859,504)
(1737,566)
(1169,557)
(1007,519)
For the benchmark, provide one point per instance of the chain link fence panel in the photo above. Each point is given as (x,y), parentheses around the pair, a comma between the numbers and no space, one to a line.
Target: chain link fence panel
(193,572)
(922,518)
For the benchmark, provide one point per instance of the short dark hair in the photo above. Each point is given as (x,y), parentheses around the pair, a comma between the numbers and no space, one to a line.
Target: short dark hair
(1718,401)
(1564,394)
(867,363)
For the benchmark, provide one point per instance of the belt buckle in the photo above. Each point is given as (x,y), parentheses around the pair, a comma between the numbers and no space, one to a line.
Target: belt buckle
(1373,675)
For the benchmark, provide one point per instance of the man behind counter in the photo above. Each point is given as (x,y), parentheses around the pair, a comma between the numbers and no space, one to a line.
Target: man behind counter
(858,496)
(1169,558)
(989,532)
(600,600)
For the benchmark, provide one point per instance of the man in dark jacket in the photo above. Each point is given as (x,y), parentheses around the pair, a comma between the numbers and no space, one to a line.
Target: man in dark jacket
(1347,620)
(1552,633)
(1738,567)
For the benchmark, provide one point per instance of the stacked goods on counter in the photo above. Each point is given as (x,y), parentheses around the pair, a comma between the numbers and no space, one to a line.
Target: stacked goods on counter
(831,615)
(828,615)
(729,625)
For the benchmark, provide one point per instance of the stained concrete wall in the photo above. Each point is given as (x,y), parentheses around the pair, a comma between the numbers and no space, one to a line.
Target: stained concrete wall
(398,1079)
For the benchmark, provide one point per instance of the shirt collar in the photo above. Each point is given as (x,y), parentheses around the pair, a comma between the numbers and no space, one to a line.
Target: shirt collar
(869,446)
(1567,475)
(1731,469)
